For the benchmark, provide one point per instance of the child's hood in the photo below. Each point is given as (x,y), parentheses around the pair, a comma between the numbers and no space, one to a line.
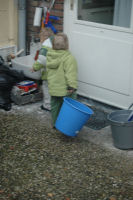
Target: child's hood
(55,57)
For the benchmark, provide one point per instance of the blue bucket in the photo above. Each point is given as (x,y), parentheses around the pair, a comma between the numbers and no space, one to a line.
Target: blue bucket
(72,117)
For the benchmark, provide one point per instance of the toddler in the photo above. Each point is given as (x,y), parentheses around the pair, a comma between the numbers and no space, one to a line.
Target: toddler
(46,36)
(61,73)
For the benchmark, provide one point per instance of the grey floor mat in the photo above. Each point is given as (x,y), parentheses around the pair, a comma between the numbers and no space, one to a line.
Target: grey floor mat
(98,120)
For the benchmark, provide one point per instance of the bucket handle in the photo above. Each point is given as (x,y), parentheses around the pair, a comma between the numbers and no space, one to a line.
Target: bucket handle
(130,106)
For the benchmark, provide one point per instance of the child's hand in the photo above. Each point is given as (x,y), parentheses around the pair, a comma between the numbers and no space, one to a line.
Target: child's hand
(70,90)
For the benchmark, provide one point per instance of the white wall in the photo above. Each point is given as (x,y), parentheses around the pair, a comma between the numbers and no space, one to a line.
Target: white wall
(8,22)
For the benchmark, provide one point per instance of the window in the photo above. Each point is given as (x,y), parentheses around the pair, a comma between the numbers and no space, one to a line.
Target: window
(111,12)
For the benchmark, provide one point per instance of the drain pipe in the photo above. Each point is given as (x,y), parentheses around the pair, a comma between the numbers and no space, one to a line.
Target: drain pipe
(22,26)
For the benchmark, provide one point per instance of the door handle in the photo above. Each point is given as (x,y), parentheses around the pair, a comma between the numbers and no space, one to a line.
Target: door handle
(71,4)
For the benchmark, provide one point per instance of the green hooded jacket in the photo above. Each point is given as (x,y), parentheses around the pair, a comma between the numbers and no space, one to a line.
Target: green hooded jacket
(61,69)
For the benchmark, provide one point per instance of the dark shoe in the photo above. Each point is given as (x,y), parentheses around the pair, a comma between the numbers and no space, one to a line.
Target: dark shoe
(43,108)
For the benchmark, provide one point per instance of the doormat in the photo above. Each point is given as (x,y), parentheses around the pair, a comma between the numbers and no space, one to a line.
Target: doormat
(98,120)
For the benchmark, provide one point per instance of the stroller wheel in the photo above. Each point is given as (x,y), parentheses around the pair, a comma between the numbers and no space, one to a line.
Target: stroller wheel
(6,107)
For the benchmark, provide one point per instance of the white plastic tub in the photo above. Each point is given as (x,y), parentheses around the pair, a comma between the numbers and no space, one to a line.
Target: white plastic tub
(25,64)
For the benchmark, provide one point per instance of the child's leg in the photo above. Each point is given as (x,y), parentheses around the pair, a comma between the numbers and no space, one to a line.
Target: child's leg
(46,96)
(56,103)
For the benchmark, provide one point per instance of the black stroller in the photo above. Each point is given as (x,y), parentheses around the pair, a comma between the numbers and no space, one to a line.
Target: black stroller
(8,78)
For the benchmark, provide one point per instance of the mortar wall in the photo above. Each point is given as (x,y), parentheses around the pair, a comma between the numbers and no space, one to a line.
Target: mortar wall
(57,10)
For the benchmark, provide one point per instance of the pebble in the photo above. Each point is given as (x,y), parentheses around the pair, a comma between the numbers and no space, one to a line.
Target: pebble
(40,163)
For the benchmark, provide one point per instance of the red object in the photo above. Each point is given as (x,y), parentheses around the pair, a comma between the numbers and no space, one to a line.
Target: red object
(26,88)
(36,56)
(47,17)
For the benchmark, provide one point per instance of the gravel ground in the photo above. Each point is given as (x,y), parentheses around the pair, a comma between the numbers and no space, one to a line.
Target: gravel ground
(39,163)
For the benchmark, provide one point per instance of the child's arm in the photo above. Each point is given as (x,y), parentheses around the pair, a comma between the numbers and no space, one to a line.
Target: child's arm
(36,66)
(41,60)
(70,68)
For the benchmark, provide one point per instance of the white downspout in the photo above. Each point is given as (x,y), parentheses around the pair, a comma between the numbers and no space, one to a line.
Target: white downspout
(22,25)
